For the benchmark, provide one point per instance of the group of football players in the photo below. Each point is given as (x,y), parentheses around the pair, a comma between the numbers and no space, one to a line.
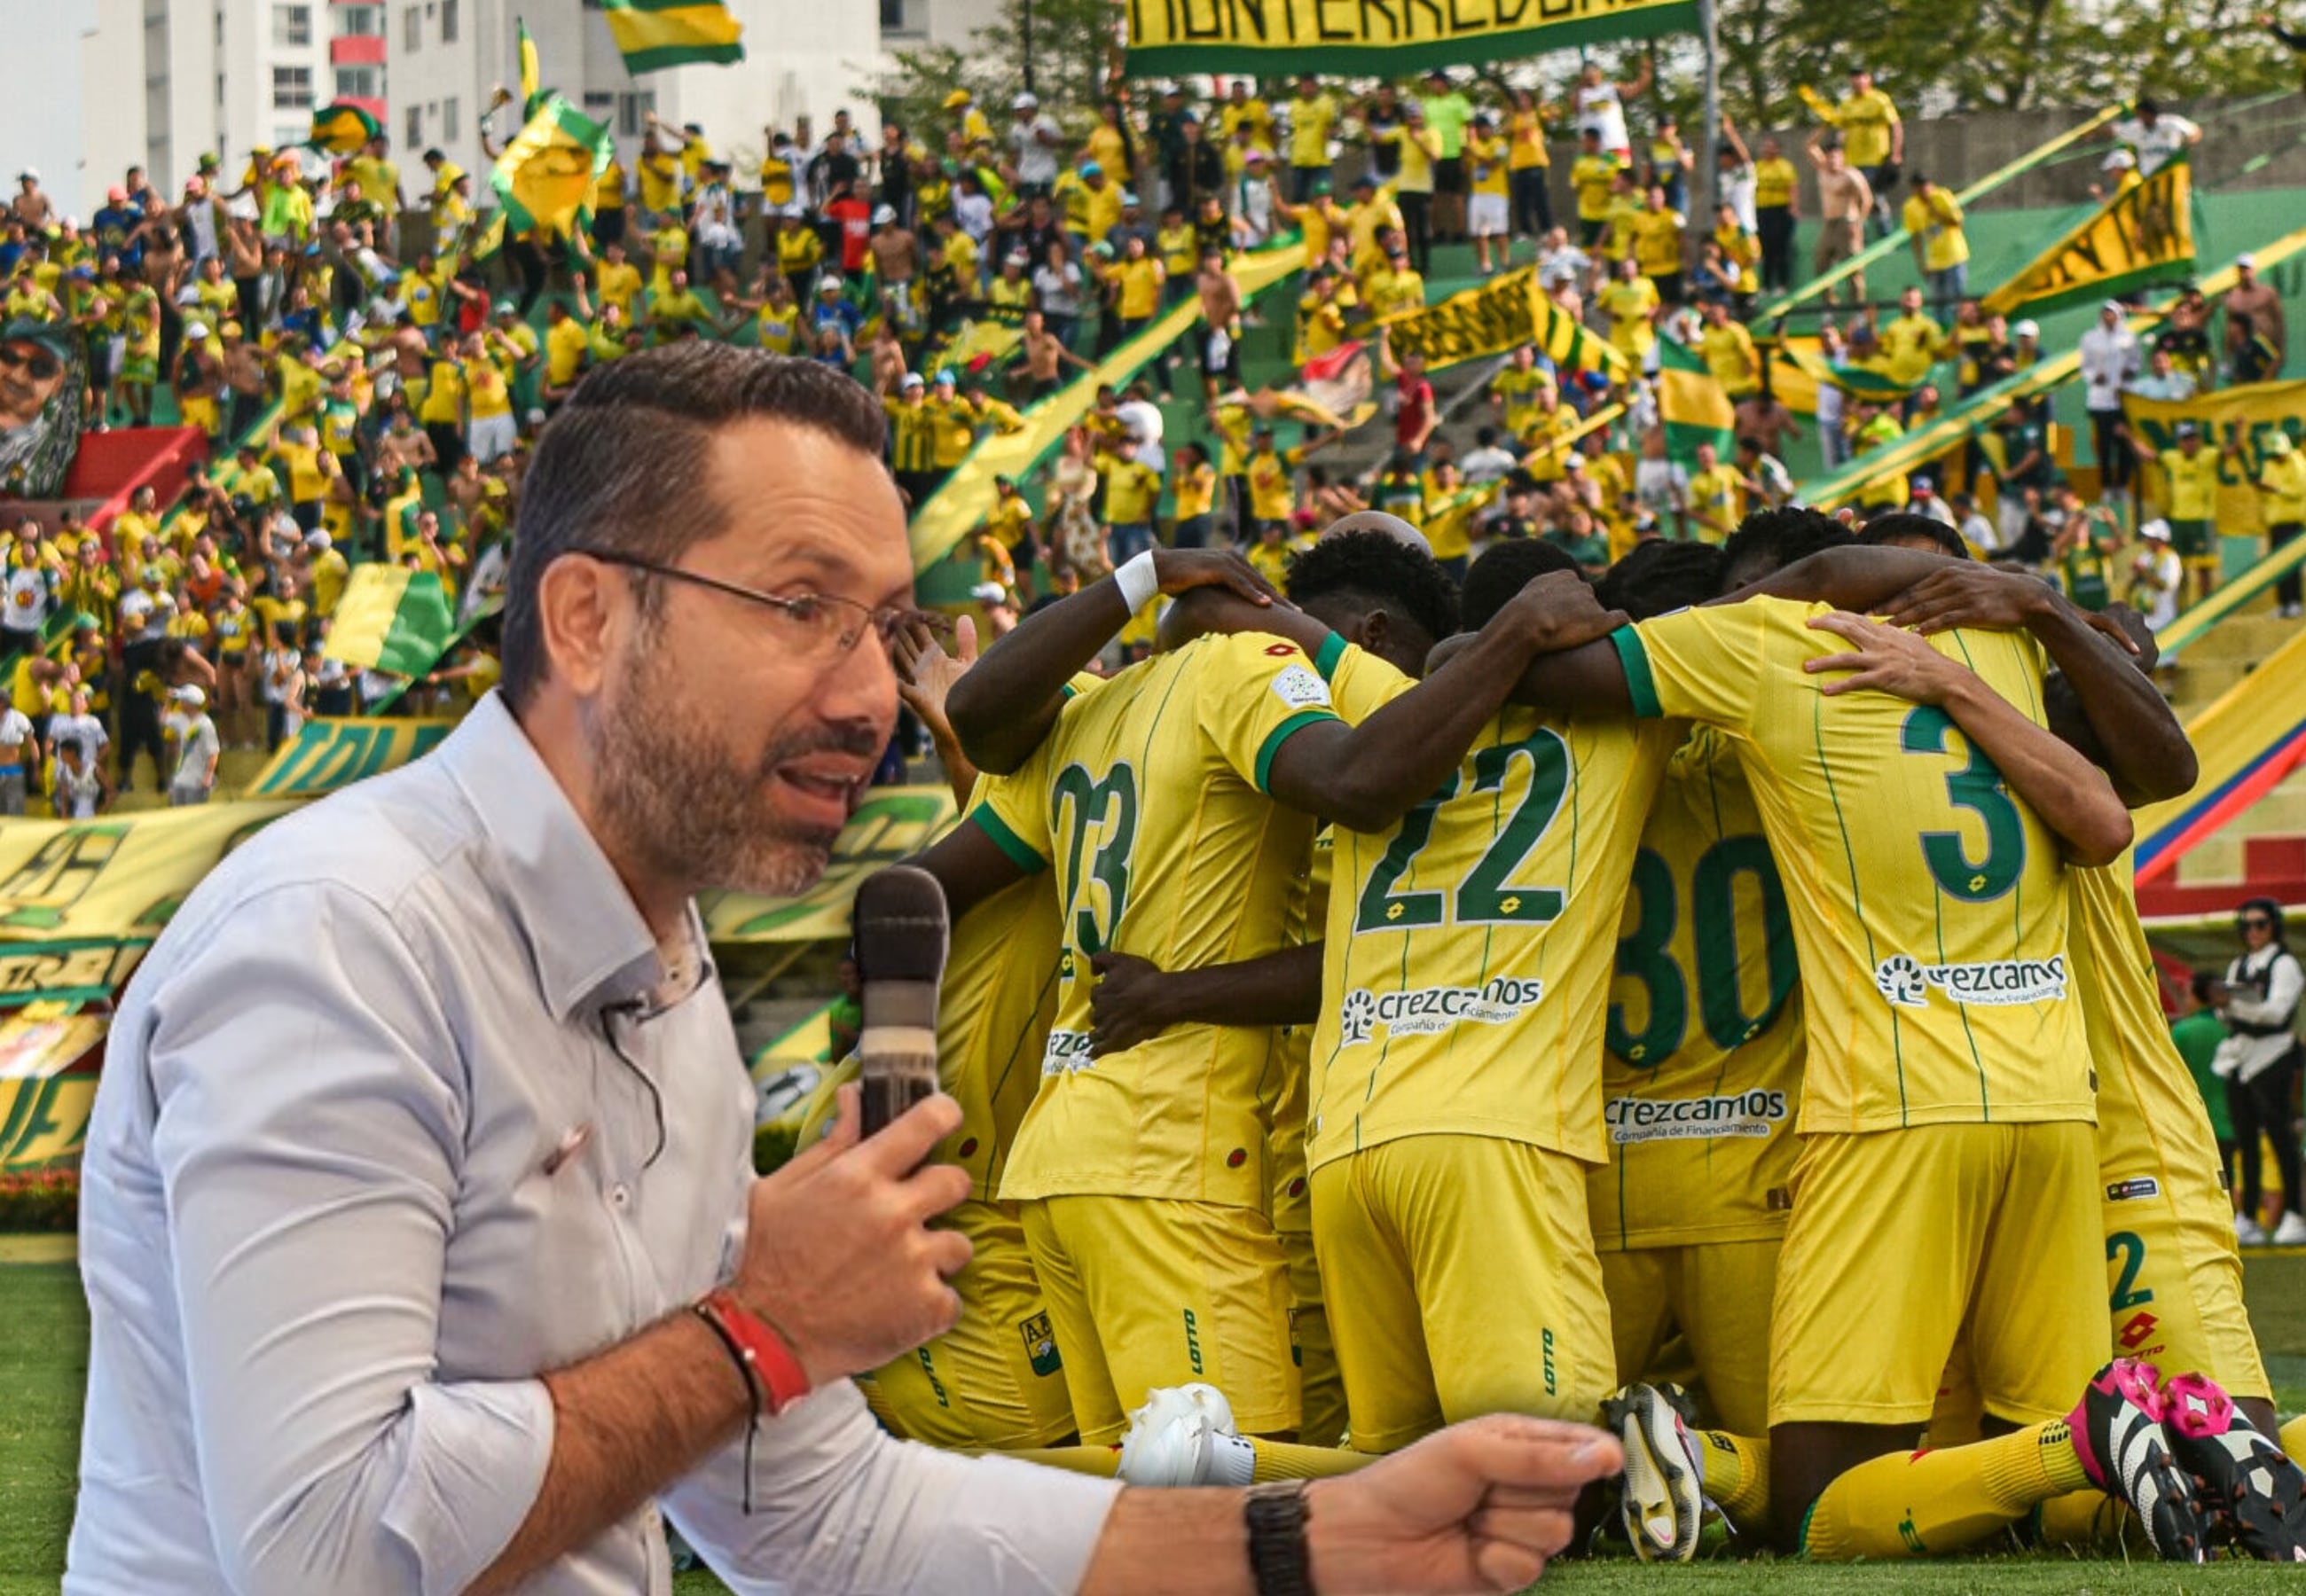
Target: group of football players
(1676,1001)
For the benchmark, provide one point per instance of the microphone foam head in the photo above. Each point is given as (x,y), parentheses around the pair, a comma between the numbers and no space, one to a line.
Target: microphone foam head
(900,925)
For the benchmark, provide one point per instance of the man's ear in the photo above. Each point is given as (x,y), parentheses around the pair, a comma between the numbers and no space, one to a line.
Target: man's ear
(582,604)
(1376,629)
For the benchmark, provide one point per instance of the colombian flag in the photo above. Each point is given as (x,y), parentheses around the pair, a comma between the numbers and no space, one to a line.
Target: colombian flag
(656,34)
(393,619)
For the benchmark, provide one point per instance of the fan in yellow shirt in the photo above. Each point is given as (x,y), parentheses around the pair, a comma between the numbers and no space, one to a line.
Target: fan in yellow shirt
(1593,175)
(1728,349)
(1631,302)
(1311,115)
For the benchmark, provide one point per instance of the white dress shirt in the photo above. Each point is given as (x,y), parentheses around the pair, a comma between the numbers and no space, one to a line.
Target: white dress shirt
(2109,360)
(397,1116)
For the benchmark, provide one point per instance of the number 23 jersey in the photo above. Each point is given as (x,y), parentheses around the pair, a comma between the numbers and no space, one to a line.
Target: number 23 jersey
(1928,902)
(1149,802)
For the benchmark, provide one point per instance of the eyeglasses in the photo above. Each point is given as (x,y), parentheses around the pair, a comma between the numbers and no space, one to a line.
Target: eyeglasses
(42,365)
(818,625)
(2255,923)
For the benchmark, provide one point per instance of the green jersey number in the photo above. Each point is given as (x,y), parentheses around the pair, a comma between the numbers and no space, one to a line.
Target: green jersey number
(1644,952)
(1977,788)
(1487,896)
(1092,802)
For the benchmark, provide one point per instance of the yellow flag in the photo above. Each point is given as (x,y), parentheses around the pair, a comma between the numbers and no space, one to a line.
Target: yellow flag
(2145,235)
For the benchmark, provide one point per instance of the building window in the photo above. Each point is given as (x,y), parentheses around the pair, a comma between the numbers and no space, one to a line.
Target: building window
(356,22)
(358,82)
(412,30)
(292,25)
(632,111)
(448,127)
(412,134)
(600,105)
(292,88)
(448,21)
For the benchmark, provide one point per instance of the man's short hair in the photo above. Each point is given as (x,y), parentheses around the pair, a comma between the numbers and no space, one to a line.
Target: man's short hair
(1375,565)
(1661,577)
(624,466)
(1502,571)
(1776,538)
(1905,523)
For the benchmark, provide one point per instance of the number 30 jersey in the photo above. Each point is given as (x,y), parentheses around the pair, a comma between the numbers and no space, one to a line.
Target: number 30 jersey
(1928,902)
(1148,796)
(1466,965)
(1702,1075)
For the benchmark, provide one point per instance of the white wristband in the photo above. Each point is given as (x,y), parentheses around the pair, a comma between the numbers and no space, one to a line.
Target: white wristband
(1137,581)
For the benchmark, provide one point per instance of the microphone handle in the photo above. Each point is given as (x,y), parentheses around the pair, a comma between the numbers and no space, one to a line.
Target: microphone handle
(896,1054)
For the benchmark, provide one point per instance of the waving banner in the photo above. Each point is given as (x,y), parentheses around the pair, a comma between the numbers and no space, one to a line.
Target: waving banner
(2143,235)
(1377,38)
(1503,314)
(49,1059)
(328,754)
(891,824)
(117,877)
(2248,416)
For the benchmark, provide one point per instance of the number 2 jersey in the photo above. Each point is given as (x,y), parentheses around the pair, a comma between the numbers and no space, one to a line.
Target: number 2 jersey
(1148,798)
(1929,905)
(1703,1073)
(1466,964)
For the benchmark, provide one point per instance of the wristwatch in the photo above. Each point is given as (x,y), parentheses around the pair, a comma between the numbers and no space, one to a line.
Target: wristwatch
(1276,1513)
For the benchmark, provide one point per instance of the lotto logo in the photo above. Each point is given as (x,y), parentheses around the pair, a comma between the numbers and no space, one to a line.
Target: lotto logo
(2002,983)
(1424,1010)
(2137,1332)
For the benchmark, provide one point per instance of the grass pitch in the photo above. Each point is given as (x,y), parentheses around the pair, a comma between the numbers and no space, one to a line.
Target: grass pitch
(44,1367)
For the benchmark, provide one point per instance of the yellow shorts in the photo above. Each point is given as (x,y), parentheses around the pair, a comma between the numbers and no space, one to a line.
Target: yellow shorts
(1322,1422)
(1148,1292)
(1903,1241)
(995,1380)
(1461,1281)
(200,414)
(2174,1279)
(1719,1293)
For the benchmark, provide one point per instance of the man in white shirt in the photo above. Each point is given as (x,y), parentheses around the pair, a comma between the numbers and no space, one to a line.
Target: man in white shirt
(1485,462)
(474,1302)
(2162,380)
(18,754)
(2157,135)
(193,736)
(2109,360)
(1034,138)
(77,725)
(1977,529)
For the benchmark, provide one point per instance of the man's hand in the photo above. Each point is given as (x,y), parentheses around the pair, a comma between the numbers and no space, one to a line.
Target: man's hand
(1970,594)
(1886,660)
(925,672)
(847,1198)
(1559,611)
(1482,1506)
(1126,1006)
(1180,569)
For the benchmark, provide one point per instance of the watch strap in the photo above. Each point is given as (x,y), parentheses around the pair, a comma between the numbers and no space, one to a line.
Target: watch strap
(1278,1560)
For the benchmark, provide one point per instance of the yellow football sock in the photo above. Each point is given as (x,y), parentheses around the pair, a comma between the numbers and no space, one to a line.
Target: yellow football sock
(2293,1437)
(1736,1477)
(1101,1461)
(2088,1520)
(1284,1460)
(1913,1504)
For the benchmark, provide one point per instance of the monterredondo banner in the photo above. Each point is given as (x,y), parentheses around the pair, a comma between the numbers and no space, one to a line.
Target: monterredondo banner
(2247,416)
(1378,37)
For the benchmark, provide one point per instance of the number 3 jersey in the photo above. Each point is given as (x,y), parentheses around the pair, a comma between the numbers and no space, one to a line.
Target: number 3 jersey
(1702,1075)
(1466,964)
(1929,904)
(1147,797)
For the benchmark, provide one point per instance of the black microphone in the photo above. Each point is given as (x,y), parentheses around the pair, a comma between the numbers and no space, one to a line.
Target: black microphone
(902,937)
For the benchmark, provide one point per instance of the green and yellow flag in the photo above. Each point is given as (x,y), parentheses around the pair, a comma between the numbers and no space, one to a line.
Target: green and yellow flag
(1503,313)
(544,177)
(656,34)
(1692,403)
(342,129)
(391,619)
(2143,235)
(1373,38)
(531,73)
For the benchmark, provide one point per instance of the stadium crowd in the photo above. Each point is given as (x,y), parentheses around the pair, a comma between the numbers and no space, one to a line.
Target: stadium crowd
(374,366)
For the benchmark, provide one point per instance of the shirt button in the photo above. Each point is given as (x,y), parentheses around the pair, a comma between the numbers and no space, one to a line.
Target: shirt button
(620,1196)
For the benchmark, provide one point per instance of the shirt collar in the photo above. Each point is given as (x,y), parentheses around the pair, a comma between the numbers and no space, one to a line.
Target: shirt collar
(586,937)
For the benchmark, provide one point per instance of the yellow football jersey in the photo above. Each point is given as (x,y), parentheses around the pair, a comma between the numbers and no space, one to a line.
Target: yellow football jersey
(1704,1067)
(1468,953)
(1286,1082)
(1928,903)
(1153,812)
(2151,1121)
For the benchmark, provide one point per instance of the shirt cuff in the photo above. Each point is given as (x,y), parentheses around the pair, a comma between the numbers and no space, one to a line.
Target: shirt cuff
(1641,687)
(475,1463)
(1281,734)
(1333,649)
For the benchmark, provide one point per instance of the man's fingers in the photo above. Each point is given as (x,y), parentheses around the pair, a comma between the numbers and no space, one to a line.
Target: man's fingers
(1825,663)
(964,640)
(1506,1566)
(1880,678)
(1542,1529)
(948,1252)
(935,1189)
(910,1139)
(847,1116)
(2112,628)
(1511,1449)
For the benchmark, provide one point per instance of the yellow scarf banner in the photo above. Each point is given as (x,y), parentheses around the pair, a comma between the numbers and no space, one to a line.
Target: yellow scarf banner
(2143,235)
(328,754)
(1377,38)
(892,823)
(49,1059)
(119,878)
(2250,415)
(1503,313)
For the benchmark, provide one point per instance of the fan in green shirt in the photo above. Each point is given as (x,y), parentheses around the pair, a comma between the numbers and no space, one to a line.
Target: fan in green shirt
(2198,1033)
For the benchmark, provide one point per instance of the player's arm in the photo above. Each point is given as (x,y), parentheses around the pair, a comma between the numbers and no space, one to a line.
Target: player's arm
(1366,777)
(972,865)
(1003,708)
(2072,795)
(1135,999)
(2126,726)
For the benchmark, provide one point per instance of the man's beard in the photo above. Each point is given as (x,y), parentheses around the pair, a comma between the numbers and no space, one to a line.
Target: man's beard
(693,812)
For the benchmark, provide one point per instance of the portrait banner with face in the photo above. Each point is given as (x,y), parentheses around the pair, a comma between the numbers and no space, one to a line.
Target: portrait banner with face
(43,406)
(1378,37)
